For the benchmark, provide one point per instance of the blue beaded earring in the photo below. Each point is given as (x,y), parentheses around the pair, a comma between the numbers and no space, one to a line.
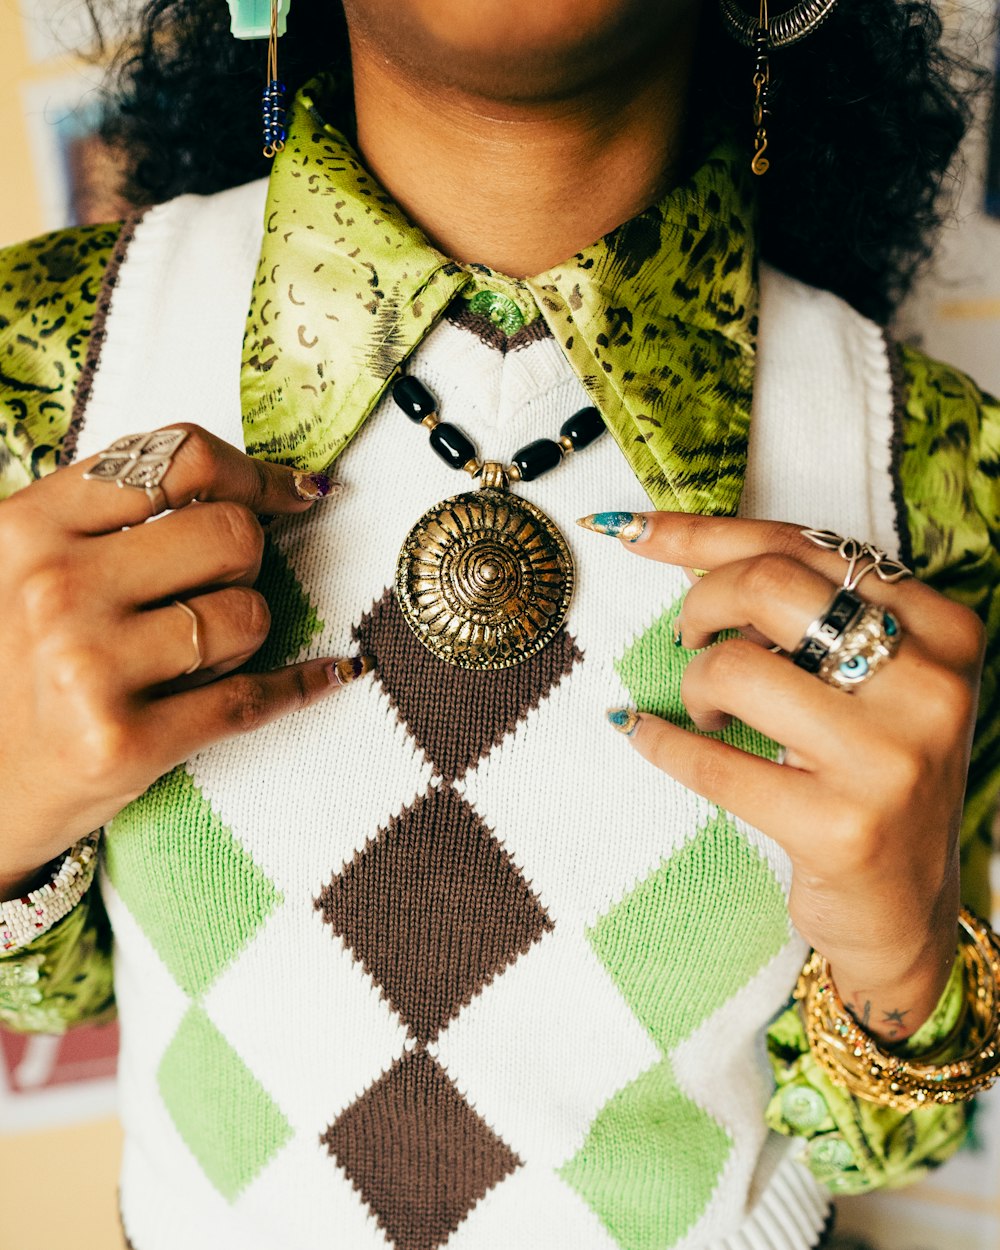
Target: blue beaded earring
(266,19)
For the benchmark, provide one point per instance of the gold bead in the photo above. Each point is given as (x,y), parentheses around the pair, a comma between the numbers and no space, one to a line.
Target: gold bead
(431,420)
(513,473)
(472,467)
(566,444)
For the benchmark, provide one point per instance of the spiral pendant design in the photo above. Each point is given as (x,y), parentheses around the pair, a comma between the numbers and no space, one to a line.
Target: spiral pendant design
(484,579)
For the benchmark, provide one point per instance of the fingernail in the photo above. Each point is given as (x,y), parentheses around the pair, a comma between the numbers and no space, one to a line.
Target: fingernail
(343,672)
(313,486)
(628,525)
(624,719)
(678,642)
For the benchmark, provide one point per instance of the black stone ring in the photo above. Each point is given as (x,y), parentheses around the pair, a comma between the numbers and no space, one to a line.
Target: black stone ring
(826,632)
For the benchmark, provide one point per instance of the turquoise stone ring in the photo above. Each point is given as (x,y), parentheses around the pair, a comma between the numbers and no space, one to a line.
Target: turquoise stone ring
(871,640)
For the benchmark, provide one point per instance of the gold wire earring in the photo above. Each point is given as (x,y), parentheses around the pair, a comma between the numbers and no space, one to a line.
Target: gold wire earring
(761,84)
(764,35)
(273,98)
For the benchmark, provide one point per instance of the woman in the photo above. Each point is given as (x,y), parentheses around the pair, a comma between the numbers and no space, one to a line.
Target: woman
(437,958)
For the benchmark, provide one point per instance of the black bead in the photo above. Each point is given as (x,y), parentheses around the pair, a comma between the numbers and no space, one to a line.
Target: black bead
(583,428)
(537,458)
(414,398)
(451,444)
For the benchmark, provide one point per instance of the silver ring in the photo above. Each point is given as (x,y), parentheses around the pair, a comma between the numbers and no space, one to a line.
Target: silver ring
(824,635)
(195,639)
(139,460)
(870,642)
(157,500)
(885,567)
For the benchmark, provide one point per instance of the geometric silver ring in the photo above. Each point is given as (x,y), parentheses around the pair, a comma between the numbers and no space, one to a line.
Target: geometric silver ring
(871,641)
(140,460)
(195,639)
(158,501)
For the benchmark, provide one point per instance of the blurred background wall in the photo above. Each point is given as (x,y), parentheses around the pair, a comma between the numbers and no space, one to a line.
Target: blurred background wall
(59,1139)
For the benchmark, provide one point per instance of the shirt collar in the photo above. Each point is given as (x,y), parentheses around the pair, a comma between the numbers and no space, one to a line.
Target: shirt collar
(658,317)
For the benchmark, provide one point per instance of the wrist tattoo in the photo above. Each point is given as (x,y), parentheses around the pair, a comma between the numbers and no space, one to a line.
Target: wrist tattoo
(896,1020)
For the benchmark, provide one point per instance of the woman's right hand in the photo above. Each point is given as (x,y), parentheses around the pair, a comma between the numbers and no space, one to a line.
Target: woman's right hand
(93,703)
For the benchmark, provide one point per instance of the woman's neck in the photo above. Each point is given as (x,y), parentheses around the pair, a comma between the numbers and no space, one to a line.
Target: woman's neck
(520,186)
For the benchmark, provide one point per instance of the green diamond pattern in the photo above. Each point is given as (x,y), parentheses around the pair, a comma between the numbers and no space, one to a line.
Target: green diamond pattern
(652,1156)
(651,670)
(650,1162)
(230,1123)
(199,898)
(294,623)
(195,892)
(716,906)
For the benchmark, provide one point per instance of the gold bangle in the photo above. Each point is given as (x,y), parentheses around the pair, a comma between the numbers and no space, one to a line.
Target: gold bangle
(853,1059)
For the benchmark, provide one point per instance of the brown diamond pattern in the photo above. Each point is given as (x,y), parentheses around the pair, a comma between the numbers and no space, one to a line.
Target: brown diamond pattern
(417,1152)
(456,715)
(434,908)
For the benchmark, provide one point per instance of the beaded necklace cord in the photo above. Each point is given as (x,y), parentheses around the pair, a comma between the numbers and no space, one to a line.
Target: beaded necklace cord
(459,452)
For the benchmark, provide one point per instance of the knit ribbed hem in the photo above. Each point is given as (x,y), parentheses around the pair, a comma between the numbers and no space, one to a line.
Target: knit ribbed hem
(98,332)
(793,1213)
(881,430)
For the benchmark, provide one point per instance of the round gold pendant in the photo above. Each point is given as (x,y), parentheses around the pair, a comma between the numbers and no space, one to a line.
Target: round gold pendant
(484,579)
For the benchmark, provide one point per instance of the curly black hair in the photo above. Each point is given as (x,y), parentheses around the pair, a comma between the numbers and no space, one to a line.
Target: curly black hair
(868,113)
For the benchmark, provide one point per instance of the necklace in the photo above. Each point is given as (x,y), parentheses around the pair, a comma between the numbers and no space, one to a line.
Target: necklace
(484,579)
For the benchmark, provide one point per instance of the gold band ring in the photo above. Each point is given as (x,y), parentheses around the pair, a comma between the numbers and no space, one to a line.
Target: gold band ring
(195,639)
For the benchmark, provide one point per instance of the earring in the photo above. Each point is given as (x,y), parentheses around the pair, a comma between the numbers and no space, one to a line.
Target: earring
(764,35)
(761,86)
(266,19)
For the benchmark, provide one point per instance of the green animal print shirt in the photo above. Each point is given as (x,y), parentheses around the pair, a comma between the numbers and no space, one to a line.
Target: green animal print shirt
(659,318)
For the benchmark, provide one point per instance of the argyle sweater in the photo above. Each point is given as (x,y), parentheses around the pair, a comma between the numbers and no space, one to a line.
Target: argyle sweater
(488,949)
(440,960)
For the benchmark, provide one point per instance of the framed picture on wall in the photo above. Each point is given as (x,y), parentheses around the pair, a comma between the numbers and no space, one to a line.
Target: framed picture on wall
(55,28)
(78,174)
(48,1082)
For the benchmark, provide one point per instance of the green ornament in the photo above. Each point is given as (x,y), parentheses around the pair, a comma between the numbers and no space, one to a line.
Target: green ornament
(830,1154)
(803,1108)
(252,18)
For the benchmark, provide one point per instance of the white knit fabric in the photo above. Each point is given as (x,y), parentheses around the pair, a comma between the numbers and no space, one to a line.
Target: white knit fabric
(541,1049)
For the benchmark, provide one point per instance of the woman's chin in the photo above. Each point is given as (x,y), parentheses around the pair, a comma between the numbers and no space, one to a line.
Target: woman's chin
(515,49)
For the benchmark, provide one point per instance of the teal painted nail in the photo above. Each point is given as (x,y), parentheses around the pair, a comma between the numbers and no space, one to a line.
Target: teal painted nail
(678,642)
(624,719)
(628,525)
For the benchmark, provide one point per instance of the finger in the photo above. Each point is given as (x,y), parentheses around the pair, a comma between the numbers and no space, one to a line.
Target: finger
(181,724)
(767,692)
(708,542)
(214,544)
(160,644)
(777,800)
(202,467)
(772,594)
(773,599)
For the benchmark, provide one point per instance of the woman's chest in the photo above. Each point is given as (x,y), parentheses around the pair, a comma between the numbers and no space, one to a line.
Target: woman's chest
(436,783)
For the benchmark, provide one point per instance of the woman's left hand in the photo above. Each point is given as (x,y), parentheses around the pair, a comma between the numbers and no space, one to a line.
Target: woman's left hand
(869,801)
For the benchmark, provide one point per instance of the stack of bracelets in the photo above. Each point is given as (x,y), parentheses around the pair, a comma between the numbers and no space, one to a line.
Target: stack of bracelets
(855,1061)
